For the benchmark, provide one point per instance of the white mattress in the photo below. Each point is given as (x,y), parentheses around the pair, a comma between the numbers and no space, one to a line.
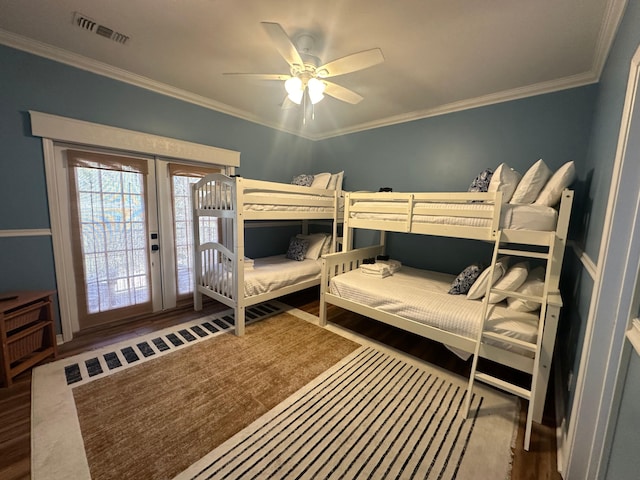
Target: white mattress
(513,216)
(273,205)
(272,273)
(422,296)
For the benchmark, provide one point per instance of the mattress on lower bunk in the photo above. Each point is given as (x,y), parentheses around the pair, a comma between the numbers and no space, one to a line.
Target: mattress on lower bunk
(275,272)
(513,216)
(421,295)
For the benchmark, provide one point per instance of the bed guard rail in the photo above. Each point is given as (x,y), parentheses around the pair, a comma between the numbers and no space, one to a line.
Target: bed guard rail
(216,269)
(416,212)
(341,262)
(222,193)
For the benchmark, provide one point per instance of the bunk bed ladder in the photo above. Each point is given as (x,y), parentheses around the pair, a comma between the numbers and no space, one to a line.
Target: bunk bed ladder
(534,348)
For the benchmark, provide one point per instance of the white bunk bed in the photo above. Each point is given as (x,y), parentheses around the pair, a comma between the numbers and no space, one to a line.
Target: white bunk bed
(220,268)
(473,326)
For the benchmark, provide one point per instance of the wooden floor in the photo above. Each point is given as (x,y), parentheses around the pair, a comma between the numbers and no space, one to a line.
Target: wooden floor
(15,401)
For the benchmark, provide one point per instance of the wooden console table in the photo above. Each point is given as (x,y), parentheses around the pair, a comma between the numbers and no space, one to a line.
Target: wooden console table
(27,331)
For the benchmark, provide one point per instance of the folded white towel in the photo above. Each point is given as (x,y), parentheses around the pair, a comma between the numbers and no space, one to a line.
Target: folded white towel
(394,265)
(375,269)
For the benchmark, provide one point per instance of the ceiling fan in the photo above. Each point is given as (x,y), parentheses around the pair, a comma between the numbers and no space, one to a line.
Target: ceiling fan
(307,77)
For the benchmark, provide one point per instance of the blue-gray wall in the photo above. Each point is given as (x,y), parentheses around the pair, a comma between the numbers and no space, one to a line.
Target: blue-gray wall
(440,153)
(577,284)
(29,82)
(624,461)
(445,153)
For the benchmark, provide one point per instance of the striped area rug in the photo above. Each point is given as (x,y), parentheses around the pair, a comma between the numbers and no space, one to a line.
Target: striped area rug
(374,415)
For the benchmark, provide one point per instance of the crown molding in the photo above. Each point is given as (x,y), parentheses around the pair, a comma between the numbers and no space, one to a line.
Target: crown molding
(482,101)
(608,29)
(83,63)
(610,23)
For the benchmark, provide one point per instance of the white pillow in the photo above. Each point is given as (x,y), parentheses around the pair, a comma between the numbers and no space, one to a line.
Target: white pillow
(505,179)
(316,242)
(321,180)
(552,191)
(533,285)
(512,280)
(531,184)
(335,183)
(479,287)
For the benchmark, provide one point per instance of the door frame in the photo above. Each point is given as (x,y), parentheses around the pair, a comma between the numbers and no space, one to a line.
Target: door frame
(56,129)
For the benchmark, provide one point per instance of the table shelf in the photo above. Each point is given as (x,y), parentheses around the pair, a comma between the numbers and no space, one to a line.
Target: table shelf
(27,332)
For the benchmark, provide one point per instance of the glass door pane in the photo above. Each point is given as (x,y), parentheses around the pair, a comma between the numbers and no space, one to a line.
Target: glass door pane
(182,177)
(111,233)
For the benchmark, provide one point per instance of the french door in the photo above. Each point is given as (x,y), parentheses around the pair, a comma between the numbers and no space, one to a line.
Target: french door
(130,226)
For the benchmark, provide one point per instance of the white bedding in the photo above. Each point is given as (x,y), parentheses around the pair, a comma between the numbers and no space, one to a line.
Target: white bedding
(513,216)
(270,201)
(270,207)
(422,296)
(271,273)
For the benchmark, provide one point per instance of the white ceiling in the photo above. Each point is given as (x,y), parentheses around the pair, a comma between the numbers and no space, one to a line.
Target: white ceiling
(440,55)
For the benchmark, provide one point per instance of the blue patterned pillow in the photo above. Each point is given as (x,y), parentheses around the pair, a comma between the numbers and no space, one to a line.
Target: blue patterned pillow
(463,282)
(481,182)
(303,180)
(297,249)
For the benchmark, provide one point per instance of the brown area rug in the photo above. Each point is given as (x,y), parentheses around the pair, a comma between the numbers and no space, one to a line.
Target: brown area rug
(155,420)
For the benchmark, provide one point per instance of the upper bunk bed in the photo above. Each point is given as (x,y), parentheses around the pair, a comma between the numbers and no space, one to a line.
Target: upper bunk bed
(224,273)
(433,305)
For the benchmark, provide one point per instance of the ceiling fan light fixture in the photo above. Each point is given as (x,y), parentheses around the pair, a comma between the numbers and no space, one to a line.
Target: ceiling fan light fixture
(316,90)
(294,89)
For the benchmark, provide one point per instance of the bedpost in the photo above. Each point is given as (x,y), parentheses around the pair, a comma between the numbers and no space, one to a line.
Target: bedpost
(346,229)
(324,282)
(197,260)
(238,251)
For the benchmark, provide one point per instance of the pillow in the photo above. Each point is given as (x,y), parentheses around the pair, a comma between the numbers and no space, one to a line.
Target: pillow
(481,182)
(465,279)
(335,183)
(531,184)
(552,191)
(512,280)
(533,285)
(316,242)
(505,179)
(321,180)
(297,249)
(302,180)
(479,288)
(326,248)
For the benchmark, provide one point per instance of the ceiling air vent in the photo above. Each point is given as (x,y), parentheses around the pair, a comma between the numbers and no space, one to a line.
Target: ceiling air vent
(92,26)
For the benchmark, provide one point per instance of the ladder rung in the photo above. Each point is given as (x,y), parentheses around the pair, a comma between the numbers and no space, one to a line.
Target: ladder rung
(511,293)
(532,347)
(523,253)
(502,385)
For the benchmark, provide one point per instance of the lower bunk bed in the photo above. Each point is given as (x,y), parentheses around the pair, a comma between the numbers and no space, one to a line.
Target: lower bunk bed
(249,282)
(418,301)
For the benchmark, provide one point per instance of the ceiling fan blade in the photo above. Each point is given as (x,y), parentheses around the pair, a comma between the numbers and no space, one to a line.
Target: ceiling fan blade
(341,93)
(283,43)
(351,63)
(261,76)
